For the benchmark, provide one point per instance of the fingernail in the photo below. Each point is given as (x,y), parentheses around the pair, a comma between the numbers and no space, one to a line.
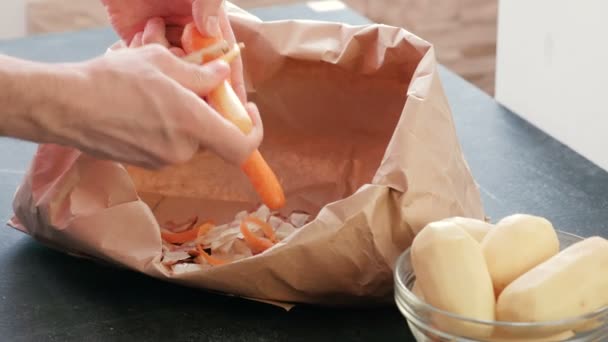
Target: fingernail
(213,25)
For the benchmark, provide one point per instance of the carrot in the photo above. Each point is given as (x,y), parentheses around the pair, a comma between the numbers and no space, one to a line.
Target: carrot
(211,260)
(257,244)
(232,53)
(266,228)
(186,235)
(192,40)
(227,103)
(208,53)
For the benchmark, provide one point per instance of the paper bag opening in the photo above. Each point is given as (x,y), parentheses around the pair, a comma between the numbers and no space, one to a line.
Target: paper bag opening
(329,112)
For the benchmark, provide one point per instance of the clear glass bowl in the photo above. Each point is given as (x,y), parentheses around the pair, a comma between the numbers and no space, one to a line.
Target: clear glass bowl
(428,323)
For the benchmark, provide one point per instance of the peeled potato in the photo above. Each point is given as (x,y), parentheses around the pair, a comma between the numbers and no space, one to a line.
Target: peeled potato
(553,338)
(571,283)
(416,290)
(517,244)
(477,228)
(589,325)
(451,271)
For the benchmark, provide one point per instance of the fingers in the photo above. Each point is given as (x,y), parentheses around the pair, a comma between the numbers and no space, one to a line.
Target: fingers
(154,32)
(137,40)
(238,83)
(206,14)
(238,147)
(119,45)
(258,127)
(174,35)
(236,66)
(225,139)
(178,52)
(201,79)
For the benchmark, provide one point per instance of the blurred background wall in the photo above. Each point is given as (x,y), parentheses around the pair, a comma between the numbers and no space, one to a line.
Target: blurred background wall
(463,31)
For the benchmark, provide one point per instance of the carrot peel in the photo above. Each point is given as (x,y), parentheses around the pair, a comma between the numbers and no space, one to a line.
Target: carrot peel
(179,238)
(204,229)
(266,228)
(186,235)
(210,259)
(257,244)
(233,53)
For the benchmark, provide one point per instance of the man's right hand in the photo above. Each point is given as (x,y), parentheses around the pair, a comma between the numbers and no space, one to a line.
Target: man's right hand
(143,106)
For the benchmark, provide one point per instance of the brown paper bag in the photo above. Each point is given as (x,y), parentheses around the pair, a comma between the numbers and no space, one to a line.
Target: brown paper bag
(358,130)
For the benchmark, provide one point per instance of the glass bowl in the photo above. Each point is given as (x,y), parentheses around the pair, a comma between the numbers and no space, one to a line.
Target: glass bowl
(428,323)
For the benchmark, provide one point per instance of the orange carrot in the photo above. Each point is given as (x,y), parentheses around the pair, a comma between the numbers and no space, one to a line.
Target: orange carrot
(266,228)
(186,235)
(257,244)
(211,260)
(227,103)
(211,52)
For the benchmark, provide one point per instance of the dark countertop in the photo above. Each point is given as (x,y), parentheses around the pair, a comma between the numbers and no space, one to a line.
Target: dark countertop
(48,296)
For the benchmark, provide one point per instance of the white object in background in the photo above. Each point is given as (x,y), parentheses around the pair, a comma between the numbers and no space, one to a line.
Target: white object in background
(12,19)
(552,69)
(326,6)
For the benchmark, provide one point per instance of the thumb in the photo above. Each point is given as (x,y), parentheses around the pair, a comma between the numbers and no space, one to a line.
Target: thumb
(206,14)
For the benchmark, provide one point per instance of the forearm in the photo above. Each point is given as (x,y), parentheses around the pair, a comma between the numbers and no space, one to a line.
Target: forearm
(35,99)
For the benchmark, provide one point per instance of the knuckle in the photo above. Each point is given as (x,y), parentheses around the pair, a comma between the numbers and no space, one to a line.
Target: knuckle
(147,40)
(157,53)
(200,75)
(154,40)
(200,79)
(259,133)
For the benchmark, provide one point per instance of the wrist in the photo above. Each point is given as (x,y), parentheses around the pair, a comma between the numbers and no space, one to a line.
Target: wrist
(36,99)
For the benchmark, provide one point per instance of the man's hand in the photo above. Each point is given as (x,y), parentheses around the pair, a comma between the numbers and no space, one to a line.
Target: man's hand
(139,106)
(142,22)
(144,106)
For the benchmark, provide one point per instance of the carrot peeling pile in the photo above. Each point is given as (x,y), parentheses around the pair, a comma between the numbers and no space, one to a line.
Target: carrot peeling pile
(201,50)
(257,244)
(189,246)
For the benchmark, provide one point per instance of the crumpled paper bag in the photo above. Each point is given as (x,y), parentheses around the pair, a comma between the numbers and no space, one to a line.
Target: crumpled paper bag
(357,128)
